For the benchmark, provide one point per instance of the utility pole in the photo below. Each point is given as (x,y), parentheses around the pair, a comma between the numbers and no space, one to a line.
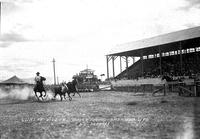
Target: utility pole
(54,71)
(87,69)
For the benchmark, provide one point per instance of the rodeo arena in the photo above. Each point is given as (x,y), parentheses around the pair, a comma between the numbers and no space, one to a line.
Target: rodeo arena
(155,95)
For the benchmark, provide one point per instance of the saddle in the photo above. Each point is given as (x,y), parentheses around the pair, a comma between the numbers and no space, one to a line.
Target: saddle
(39,87)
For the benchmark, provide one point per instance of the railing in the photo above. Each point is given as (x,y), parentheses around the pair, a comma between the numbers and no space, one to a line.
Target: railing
(187,87)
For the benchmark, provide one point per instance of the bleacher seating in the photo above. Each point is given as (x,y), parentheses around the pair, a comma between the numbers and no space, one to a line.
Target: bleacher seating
(170,65)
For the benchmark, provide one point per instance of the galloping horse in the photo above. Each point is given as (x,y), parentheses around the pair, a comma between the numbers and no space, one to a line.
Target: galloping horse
(40,88)
(64,88)
(61,90)
(72,87)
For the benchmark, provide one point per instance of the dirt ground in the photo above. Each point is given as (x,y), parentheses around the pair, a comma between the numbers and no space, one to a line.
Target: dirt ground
(102,115)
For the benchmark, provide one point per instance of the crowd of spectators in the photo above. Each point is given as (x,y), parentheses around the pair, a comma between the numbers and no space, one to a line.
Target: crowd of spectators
(171,66)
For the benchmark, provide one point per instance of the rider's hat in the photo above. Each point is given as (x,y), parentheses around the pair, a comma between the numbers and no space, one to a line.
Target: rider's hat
(37,73)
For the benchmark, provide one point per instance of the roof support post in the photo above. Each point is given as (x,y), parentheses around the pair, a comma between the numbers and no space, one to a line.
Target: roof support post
(181,58)
(133,59)
(197,57)
(126,62)
(127,66)
(107,62)
(113,64)
(142,64)
(160,60)
(120,64)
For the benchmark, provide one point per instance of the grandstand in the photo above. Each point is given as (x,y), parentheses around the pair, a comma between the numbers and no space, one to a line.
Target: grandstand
(175,54)
(171,65)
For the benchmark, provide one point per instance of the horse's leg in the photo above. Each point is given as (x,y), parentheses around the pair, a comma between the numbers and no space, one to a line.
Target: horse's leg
(78,93)
(74,89)
(70,98)
(45,93)
(41,95)
(65,96)
(36,95)
(55,95)
(60,97)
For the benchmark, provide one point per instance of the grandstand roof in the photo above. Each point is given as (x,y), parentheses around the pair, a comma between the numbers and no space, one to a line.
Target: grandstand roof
(168,42)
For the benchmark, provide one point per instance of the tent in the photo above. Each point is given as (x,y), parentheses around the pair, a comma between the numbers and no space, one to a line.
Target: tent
(13,81)
(16,87)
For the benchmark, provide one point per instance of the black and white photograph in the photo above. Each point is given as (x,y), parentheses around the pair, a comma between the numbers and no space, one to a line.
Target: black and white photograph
(99,69)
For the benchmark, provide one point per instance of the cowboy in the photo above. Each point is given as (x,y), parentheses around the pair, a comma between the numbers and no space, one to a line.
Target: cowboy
(37,78)
(39,82)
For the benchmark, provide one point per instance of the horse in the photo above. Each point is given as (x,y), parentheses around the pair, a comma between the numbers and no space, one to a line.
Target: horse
(64,88)
(40,88)
(61,90)
(72,87)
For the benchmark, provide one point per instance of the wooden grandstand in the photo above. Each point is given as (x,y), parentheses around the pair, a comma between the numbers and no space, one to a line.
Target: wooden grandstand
(176,54)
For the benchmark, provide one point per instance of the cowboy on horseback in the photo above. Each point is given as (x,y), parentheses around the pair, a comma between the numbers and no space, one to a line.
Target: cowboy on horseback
(39,86)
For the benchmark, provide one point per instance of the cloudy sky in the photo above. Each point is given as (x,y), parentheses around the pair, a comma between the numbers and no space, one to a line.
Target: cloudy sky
(78,33)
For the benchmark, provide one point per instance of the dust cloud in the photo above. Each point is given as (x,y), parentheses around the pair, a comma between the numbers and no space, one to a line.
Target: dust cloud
(21,93)
(17,93)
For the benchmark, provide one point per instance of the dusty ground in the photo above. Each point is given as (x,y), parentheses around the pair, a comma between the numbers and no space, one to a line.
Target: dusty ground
(110,115)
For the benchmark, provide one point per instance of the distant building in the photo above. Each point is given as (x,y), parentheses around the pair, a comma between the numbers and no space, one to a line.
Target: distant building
(87,80)
(13,82)
(86,76)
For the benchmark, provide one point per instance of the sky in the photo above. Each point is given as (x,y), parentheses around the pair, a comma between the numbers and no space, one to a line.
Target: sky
(79,33)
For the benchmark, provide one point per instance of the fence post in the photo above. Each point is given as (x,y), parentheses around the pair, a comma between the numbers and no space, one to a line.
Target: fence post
(195,88)
(164,90)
